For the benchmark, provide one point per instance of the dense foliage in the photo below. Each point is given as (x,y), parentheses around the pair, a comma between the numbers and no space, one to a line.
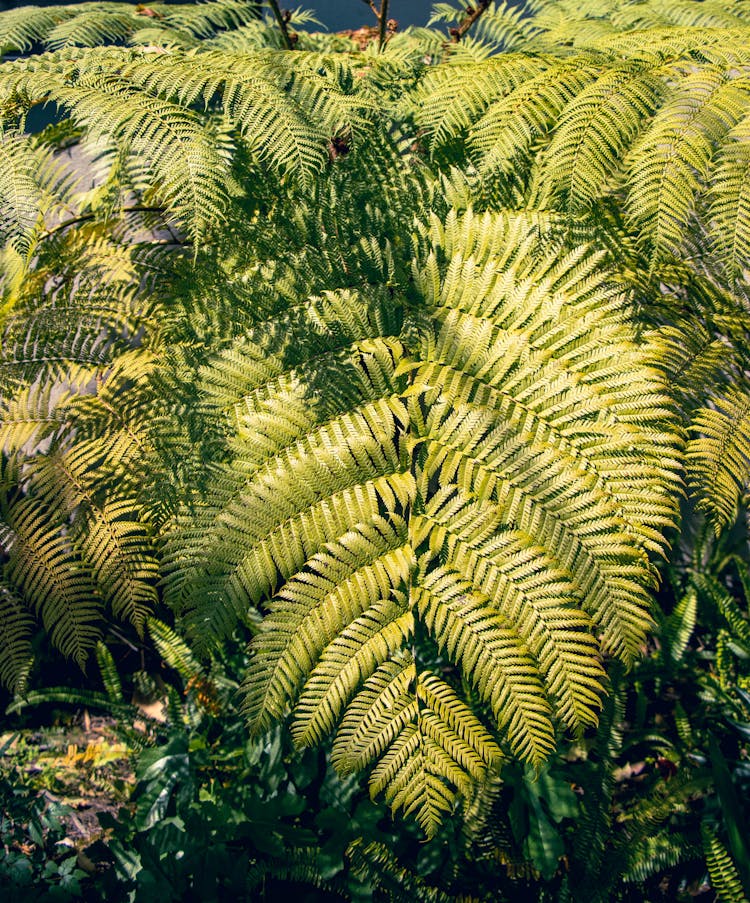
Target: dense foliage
(419,362)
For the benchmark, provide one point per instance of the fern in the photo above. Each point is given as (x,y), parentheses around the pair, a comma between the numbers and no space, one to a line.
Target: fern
(455,549)
(374,862)
(385,358)
(724,876)
(47,569)
(720,457)
(15,639)
(92,24)
(625,114)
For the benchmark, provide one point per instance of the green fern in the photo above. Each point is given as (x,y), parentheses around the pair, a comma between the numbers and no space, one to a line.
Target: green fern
(385,358)
(92,24)
(46,568)
(628,113)
(454,555)
(725,879)
(720,455)
(16,632)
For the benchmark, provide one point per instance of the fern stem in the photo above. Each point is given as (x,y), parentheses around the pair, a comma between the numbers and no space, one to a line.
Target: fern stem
(382,21)
(373,7)
(471,17)
(282,22)
(382,16)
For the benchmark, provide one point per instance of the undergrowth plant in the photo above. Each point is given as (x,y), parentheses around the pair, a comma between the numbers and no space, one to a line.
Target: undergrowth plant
(400,359)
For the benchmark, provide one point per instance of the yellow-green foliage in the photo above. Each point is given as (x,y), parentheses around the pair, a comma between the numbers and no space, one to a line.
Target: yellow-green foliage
(389,358)
(725,879)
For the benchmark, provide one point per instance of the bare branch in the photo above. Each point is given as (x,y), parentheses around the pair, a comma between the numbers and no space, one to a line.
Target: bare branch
(472,14)
(386,26)
(383,22)
(282,21)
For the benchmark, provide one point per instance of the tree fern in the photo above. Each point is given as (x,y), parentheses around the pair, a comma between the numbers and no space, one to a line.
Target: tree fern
(447,475)
(384,357)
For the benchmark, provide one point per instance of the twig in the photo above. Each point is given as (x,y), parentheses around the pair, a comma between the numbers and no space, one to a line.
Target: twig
(282,22)
(384,25)
(472,14)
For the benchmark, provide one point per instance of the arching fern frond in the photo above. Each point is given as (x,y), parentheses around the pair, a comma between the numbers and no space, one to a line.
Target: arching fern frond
(390,470)
(671,162)
(728,200)
(426,741)
(158,108)
(21,196)
(21,29)
(655,115)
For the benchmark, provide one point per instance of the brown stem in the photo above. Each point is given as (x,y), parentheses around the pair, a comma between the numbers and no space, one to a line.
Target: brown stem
(282,24)
(469,19)
(374,8)
(382,16)
(383,22)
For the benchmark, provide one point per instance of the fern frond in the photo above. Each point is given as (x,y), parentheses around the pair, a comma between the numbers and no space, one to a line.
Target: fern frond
(337,587)
(692,357)
(109,673)
(581,161)
(493,658)
(450,99)
(726,606)
(92,24)
(504,138)
(375,863)
(431,745)
(728,200)
(656,853)
(21,196)
(44,566)
(725,878)
(21,29)
(630,111)
(680,624)
(422,455)
(671,161)
(31,415)
(352,657)
(507,414)
(92,28)
(430,760)
(719,455)
(16,631)
(174,650)
(189,162)
(119,551)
